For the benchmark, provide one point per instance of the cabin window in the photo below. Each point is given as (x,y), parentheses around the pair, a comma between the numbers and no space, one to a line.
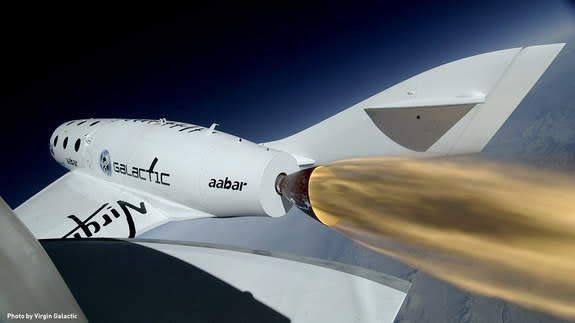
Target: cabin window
(77,145)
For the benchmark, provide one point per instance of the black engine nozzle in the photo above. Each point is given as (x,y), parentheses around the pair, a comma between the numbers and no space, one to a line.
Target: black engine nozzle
(295,188)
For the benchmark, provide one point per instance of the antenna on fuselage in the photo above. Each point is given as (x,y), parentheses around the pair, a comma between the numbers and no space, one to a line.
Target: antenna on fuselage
(212,127)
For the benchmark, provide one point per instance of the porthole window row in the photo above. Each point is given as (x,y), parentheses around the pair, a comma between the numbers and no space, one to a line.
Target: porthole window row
(65,143)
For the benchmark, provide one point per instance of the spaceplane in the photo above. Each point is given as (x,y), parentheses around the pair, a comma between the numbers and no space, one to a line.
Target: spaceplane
(128,176)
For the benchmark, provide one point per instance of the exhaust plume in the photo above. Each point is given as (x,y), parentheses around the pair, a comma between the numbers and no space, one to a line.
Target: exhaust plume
(505,231)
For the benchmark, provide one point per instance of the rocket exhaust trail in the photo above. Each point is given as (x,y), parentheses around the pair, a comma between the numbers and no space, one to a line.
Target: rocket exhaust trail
(499,230)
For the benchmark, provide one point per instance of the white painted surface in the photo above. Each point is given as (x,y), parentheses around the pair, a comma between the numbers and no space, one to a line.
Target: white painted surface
(496,81)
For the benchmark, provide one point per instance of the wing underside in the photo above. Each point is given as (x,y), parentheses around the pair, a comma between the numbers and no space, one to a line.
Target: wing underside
(208,282)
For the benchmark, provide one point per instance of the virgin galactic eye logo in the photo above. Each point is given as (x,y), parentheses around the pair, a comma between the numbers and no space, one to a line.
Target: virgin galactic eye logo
(106,163)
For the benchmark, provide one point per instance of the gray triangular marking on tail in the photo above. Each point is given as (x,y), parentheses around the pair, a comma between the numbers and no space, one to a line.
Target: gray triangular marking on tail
(417,128)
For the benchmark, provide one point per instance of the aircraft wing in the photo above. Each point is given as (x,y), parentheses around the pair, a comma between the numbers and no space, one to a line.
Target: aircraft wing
(152,280)
(78,205)
(301,288)
(182,281)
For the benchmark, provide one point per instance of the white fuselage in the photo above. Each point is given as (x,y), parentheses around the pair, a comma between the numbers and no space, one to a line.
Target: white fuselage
(193,166)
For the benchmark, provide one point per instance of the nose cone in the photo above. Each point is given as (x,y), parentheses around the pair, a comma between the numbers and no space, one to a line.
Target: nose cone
(295,188)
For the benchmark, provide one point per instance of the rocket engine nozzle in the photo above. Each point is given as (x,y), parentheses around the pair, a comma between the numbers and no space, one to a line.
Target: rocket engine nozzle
(295,188)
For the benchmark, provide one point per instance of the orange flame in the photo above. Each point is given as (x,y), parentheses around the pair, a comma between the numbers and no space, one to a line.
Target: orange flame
(500,230)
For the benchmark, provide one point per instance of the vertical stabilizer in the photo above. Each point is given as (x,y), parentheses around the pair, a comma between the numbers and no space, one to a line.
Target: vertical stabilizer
(452,109)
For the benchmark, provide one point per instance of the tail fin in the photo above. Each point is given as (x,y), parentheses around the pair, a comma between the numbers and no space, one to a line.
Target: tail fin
(452,109)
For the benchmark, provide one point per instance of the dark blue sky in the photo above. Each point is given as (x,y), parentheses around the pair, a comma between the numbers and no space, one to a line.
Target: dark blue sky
(260,73)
